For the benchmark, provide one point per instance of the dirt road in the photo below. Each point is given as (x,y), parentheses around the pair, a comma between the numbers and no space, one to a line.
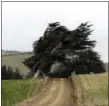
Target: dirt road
(57,92)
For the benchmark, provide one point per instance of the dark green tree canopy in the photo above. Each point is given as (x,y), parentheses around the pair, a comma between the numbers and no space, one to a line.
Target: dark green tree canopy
(73,48)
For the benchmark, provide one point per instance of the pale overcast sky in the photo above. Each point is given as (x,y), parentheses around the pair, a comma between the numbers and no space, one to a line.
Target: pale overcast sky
(25,22)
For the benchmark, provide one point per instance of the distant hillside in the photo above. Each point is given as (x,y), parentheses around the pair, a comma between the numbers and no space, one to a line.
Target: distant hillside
(15,61)
(9,52)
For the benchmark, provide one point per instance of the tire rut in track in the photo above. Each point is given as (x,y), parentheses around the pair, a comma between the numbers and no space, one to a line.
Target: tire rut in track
(46,99)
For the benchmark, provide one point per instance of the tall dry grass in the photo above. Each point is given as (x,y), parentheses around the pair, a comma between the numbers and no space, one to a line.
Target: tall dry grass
(90,90)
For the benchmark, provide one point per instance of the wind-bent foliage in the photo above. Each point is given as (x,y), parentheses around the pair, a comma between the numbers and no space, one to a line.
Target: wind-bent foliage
(73,48)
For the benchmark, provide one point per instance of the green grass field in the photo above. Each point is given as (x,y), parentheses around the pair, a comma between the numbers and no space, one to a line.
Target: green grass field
(14,91)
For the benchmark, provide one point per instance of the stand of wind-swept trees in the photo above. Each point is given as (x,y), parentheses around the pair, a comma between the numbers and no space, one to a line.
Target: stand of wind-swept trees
(60,51)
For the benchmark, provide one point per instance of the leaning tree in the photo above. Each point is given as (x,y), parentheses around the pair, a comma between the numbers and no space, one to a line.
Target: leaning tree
(60,51)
